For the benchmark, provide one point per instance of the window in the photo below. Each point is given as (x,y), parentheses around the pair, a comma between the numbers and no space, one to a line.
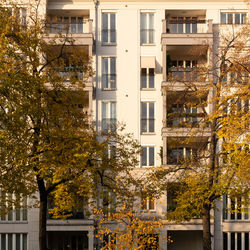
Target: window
(185,25)
(147,78)
(178,155)
(13,241)
(147,203)
(18,213)
(108,116)
(233,18)
(147,117)
(235,209)
(147,28)
(108,202)
(108,73)
(235,240)
(108,28)
(180,116)
(66,24)
(148,156)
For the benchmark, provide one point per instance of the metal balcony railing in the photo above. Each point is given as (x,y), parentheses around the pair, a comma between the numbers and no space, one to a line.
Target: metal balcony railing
(182,120)
(185,74)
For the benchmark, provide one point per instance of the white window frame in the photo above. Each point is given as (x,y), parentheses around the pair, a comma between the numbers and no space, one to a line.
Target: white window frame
(147,28)
(111,76)
(147,76)
(109,30)
(13,237)
(233,13)
(147,201)
(13,213)
(148,147)
(108,124)
(148,119)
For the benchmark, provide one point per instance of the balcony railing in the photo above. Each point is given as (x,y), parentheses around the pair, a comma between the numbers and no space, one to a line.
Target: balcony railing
(185,74)
(173,26)
(71,28)
(67,75)
(182,120)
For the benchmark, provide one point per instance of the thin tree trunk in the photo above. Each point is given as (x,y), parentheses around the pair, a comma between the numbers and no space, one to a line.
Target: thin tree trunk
(42,214)
(206,227)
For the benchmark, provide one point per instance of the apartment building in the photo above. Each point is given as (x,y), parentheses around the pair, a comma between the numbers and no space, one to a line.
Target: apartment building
(131,43)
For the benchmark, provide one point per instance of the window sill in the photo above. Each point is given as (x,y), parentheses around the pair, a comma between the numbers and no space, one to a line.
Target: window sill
(148,89)
(148,44)
(148,133)
(108,89)
(109,44)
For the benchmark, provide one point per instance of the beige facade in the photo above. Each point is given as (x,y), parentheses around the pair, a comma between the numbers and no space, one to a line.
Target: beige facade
(129,42)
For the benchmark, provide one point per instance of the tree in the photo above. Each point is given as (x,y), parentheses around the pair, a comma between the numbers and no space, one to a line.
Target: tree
(219,164)
(47,144)
(128,228)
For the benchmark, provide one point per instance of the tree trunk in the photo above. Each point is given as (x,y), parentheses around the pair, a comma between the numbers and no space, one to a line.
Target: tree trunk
(42,214)
(206,227)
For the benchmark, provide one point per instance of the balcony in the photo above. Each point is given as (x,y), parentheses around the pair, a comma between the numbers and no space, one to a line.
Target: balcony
(183,64)
(186,27)
(73,25)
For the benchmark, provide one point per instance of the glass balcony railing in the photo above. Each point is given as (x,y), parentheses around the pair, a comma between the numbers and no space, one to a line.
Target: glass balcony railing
(70,27)
(187,26)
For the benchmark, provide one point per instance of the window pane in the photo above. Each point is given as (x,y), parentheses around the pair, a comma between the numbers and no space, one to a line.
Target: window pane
(237,18)
(151,110)
(113,110)
(143,36)
(143,125)
(143,78)
(80,25)
(105,65)
(104,81)
(73,24)
(144,110)
(112,81)
(151,125)
(188,27)
(151,21)
(3,241)
(24,241)
(113,36)
(143,21)
(223,18)
(104,110)
(104,72)
(25,210)
(9,241)
(18,242)
(151,78)
(144,156)
(112,21)
(151,204)
(243,18)
(194,28)
(17,214)
(229,18)
(112,65)
(151,36)
(151,156)
(104,36)
(104,21)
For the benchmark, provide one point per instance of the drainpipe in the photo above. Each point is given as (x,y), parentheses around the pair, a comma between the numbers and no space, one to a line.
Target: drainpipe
(96,3)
